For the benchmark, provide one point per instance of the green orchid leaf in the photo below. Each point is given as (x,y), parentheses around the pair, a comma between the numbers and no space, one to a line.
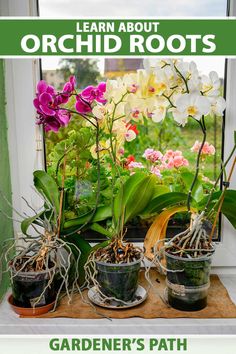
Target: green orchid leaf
(164,201)
(102,213)
(25,224)
(100,229)
(80,249)
(139,198)
(197,192)
(133,197)
(160,189)
(124,194)
(48,188)
(229,206)
(101,245)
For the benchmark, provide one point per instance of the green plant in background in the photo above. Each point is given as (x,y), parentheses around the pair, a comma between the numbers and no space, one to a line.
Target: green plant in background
(85,71)
(164,136)
(168,135)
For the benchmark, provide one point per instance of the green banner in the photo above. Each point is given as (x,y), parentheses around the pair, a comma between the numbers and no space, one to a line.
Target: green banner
(168,37)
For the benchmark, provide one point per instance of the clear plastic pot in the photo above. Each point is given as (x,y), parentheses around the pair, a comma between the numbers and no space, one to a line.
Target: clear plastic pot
(118,280)
(27,288)
(193,298)
(188,271)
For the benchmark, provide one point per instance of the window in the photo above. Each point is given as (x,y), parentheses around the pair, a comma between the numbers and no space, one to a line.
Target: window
(163,136)
(25,139)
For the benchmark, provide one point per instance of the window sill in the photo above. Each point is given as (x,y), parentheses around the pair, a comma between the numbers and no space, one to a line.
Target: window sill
(11,324)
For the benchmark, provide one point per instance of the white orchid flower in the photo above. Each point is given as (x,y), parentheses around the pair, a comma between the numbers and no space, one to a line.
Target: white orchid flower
(149,64)
(130,135)
(99,111)
(123,131)
(191,104)
(218,106)
(119,128)
(131,82)
(187,69)
(151,84)
(164,62)
(117,112)
(103,149)
(160,109)
(115,89)
(179,117)
(175,96)
(134,108)
(162,80)
(211,84)
(194,83)
(190,74)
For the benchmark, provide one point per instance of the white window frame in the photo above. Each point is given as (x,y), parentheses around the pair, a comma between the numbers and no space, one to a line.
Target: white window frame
(26,141)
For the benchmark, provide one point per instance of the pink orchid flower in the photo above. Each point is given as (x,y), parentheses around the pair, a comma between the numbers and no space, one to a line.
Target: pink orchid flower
(47,105)
(96,93)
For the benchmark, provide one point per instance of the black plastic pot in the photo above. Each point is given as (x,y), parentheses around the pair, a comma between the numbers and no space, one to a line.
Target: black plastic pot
(188,285)
(118,280)
(27,288)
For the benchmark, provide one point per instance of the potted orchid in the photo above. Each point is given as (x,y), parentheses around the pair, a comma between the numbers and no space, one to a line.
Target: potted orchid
(116,264)
(188,254)
(41,265)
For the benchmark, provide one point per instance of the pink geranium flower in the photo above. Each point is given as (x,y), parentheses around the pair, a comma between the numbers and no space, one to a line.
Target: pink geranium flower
(134,164)
(169,154)
(156,171)
(173,159)
(178,161)
(170,163)
(152,155)
(208,149)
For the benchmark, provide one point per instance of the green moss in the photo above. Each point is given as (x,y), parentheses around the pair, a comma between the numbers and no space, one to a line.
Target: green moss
(119,281)
(194,273)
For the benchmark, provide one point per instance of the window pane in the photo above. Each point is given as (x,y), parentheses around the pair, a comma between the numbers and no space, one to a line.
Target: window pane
(131,8)
(163,136)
